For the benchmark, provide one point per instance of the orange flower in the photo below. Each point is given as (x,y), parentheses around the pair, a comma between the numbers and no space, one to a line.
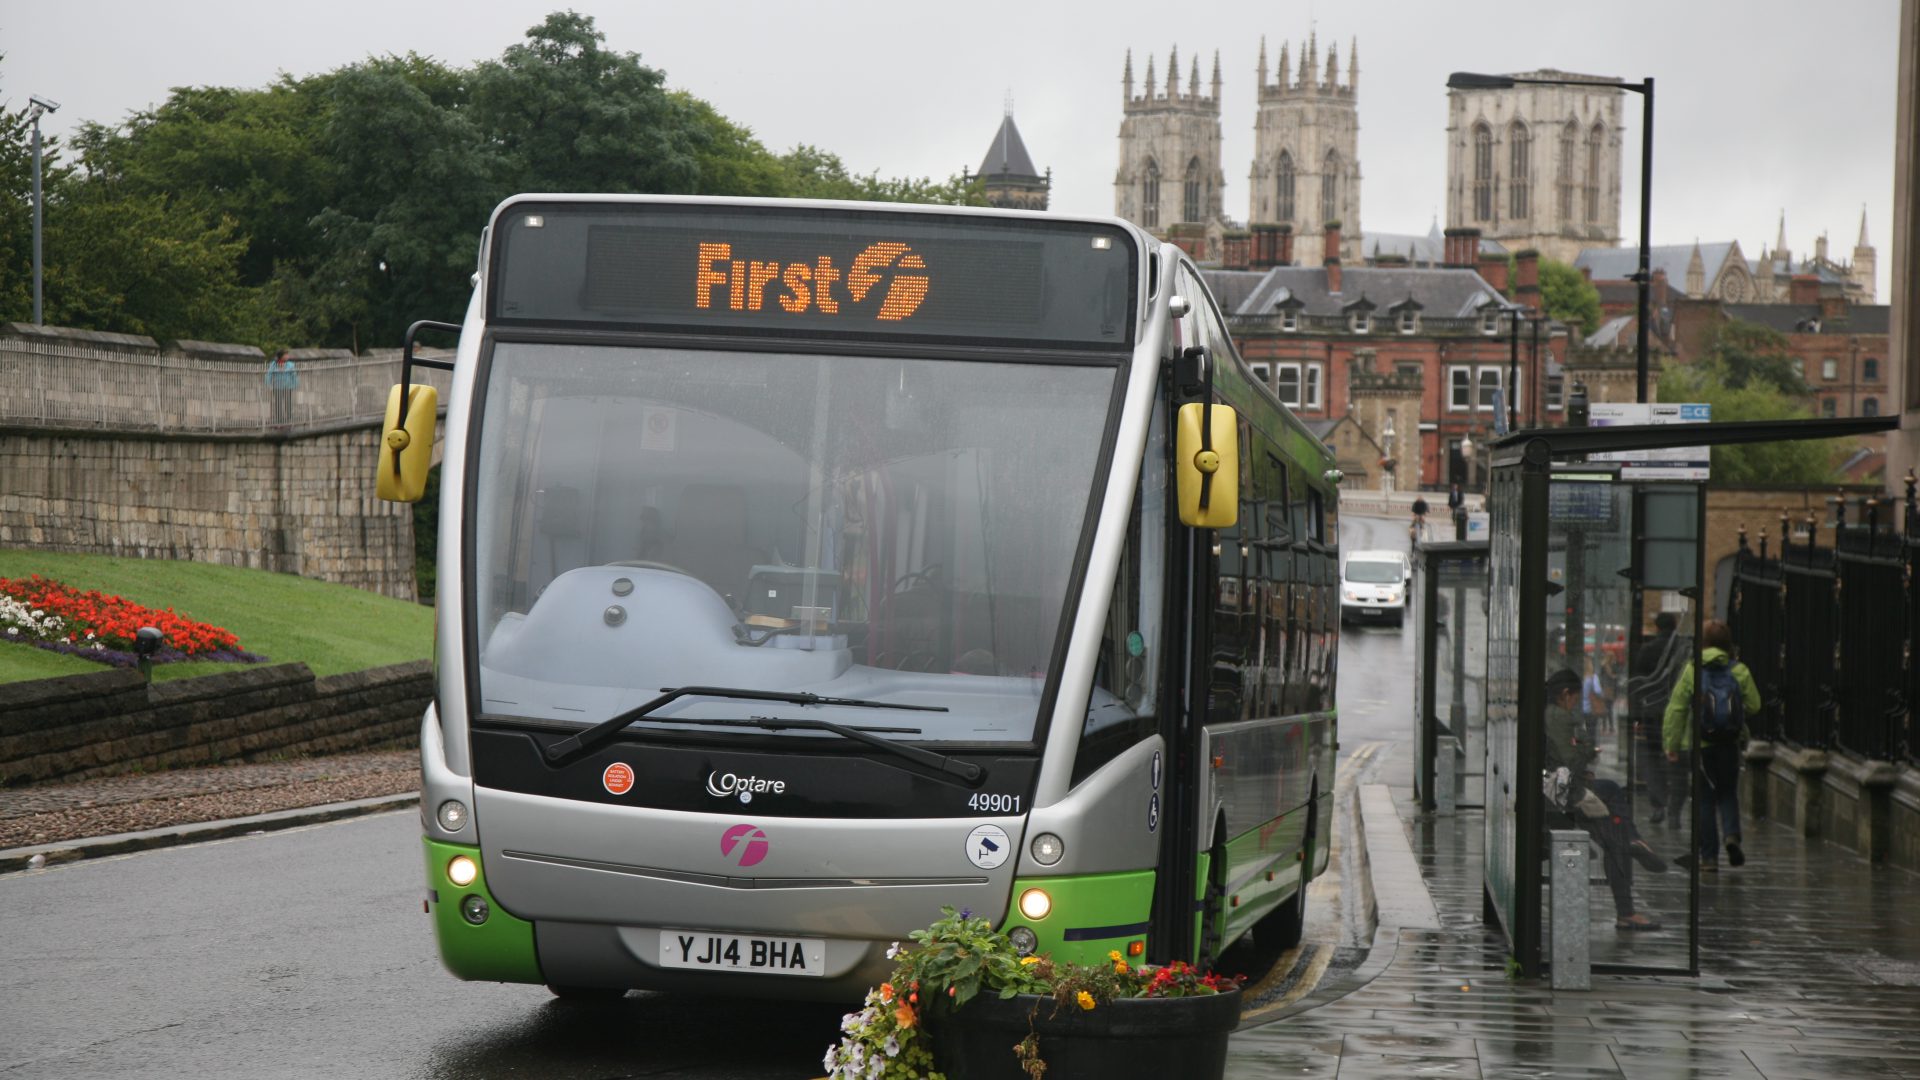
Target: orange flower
(886,992)
(1085,999)
(904,1015)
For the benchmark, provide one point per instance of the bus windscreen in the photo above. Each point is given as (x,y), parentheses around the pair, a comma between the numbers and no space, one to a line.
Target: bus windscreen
(813,272)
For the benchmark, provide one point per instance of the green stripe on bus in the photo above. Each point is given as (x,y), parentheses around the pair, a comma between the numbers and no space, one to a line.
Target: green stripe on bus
(1085,904)
(497,950)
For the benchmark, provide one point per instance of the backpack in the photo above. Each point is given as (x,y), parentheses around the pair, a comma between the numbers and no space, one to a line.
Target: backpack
(1722,709)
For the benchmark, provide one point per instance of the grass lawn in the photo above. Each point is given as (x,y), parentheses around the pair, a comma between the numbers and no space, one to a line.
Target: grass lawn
(330,628)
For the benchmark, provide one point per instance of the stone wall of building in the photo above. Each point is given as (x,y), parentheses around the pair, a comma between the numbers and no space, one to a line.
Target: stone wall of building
(112,722)
(115,446)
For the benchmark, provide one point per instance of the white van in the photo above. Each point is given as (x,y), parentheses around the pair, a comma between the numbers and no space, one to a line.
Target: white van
(1373,587)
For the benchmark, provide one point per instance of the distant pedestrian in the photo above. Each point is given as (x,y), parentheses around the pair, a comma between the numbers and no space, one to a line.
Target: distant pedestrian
(1715,732)
(1655,668)
(283,380)
(1418,530)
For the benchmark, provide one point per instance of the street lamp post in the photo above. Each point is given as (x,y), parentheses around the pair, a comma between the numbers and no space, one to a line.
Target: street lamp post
(1467,80)
(37,106)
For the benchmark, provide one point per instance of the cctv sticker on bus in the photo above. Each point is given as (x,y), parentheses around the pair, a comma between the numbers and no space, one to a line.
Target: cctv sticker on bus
(689,267)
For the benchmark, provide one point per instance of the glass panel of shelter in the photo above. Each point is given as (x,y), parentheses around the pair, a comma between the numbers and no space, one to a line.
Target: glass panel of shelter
(1638,900)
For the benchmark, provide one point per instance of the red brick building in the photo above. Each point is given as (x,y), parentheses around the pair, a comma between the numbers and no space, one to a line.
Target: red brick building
(1421,351)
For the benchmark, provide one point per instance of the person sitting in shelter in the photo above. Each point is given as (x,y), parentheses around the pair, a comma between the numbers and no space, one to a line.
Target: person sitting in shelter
(1598,806)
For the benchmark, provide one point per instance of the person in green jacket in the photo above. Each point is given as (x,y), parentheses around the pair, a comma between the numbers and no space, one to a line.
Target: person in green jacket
(1718,757)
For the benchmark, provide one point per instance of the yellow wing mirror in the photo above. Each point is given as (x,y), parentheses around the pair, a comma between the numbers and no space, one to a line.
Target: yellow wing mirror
(406,439)
(406,445)
(1207,465)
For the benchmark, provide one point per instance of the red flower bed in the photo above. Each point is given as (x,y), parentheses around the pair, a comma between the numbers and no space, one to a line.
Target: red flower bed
(112,621)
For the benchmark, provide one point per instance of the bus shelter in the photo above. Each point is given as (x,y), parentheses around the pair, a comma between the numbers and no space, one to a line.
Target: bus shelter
(1585,553)
(1450,670)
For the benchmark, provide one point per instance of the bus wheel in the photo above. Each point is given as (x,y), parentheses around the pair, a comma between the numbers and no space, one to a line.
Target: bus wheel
(1213,906)
(585,994)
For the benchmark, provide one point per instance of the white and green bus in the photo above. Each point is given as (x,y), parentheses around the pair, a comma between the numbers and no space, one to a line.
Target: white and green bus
(808,567)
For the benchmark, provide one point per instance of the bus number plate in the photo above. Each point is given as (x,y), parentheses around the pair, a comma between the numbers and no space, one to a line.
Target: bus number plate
(734,952)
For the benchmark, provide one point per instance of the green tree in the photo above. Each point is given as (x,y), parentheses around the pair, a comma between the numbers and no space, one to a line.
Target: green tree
(1567,295)
(1746,354)
(1806,463)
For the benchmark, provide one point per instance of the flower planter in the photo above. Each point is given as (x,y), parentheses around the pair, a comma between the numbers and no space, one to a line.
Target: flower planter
(1145,1038)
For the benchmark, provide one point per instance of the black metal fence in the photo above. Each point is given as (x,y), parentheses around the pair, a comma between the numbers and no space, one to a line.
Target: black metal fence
(1827,628)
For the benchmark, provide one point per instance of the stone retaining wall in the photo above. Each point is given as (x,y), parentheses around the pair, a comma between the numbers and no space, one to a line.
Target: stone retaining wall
(111,722)
(1872,807)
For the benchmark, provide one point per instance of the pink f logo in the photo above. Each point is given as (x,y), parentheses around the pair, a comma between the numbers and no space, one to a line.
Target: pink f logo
(749,843)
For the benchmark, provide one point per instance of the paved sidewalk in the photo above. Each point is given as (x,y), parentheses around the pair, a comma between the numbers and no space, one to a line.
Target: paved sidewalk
(1810,963)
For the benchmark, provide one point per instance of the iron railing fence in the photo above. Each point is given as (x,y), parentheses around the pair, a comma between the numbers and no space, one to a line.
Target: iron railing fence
(1827,629)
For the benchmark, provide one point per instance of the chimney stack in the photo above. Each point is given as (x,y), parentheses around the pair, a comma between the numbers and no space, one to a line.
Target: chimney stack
(1462,248)
(1493,267)
(1285,253)
(1526,284)
(1237,251)
(1805,289)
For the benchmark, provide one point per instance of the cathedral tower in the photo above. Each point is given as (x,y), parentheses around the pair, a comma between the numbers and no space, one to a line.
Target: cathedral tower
(1170,151)
(1537,166)
(1865,265)
(1306,142)
(1007,176)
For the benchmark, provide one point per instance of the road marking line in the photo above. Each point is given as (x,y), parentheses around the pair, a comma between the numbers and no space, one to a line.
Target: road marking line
(1309,980)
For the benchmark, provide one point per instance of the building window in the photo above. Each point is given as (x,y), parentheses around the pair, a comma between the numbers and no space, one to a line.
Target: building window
(1596,144)
(1262,372)
(1460,382)
(1829,408)
(1150,196)
(1870,370)
(1362,321)
(1290,320)
(1519,151)
(1490,321)
(1569,138)
(1556,392)
(1870,407)
(1299,385)
(1283,174)
(1330,191)
(1800,367)
(1408,321)
(1489,388)
(1482,173)
(1190,198)
(1829,369)
(1408,371)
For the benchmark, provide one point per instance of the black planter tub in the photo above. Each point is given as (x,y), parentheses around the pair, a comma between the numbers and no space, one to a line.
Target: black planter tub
(1144,1038)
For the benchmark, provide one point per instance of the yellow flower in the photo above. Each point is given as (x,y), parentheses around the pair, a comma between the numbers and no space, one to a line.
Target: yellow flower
(1114,955)
(1085,999)
(1119,967)
(1029,960)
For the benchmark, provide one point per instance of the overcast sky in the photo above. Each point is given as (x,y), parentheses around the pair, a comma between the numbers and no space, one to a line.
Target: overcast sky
(1763,105)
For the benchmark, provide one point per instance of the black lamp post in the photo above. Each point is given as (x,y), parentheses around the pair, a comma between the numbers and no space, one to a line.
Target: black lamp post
(37,107)
(1467,80)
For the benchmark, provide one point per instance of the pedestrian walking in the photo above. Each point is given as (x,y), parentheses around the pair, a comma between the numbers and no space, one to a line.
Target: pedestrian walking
(1715,731)
(1650,678)
(282,380)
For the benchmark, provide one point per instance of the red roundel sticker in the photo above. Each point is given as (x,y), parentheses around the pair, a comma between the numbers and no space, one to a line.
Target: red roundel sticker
(618,778)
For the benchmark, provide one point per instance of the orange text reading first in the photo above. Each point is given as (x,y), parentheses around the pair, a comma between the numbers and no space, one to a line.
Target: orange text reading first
(801,286)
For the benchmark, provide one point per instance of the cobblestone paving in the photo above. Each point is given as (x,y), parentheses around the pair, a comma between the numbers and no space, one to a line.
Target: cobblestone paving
(48,813)
(1807,955)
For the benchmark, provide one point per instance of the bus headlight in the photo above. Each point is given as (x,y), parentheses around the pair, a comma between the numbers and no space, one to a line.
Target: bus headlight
(461,870)
(1024,940)
(1035,904)
(1047,849)
(452,815)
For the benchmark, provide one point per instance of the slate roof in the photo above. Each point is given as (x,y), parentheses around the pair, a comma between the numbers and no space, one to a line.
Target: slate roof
(1427,248)
(1619,264)
(1440,292)
(1007,156)
(1793,318)
(1613,332)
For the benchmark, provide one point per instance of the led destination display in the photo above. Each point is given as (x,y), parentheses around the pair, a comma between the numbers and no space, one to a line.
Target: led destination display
(814,273)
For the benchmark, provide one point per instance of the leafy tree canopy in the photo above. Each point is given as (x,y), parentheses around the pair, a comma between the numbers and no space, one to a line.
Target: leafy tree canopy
(1568,296)
(1807,463)
(1746,354)
(337,208)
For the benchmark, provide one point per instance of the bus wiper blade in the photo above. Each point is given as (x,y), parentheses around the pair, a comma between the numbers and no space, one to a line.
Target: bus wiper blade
(599,734)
